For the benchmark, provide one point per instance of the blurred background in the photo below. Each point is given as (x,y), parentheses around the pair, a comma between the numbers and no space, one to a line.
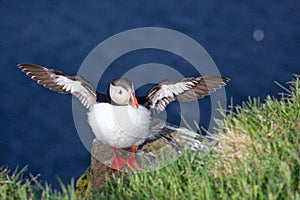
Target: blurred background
(254,43)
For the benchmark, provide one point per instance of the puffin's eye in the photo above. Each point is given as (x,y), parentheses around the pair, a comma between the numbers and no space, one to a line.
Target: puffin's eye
(120,92)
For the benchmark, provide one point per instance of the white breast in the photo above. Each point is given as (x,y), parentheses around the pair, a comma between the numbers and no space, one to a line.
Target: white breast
(119,126)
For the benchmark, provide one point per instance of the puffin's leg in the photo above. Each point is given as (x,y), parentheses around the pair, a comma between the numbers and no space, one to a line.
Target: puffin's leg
(118,162)
(133,164)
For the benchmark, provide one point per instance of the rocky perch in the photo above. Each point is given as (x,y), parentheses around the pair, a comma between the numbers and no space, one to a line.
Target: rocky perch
(167,143)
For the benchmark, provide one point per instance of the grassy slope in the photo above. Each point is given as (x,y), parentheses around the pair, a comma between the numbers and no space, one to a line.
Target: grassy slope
(257,157)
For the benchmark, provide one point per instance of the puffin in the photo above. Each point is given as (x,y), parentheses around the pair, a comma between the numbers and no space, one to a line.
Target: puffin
(119,118)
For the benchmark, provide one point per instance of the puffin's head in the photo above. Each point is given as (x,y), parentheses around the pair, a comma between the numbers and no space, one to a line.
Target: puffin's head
(121,92)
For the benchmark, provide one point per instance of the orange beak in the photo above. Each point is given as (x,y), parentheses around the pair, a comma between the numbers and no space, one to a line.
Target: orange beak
(135,103)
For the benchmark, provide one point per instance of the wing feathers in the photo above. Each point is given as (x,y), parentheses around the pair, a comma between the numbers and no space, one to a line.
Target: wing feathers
(188,89)
(59,82)
(158,98)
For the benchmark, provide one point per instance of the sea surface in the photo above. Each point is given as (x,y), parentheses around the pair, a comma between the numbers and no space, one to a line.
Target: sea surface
(254,43)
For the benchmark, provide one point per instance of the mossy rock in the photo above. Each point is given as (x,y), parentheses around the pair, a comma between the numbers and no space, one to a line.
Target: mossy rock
(165,146)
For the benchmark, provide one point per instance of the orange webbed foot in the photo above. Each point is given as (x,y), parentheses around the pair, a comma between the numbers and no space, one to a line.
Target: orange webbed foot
(118,162)
(131,161)
(133,164)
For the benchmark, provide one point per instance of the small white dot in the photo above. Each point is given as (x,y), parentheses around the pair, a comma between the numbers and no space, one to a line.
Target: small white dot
(258,35)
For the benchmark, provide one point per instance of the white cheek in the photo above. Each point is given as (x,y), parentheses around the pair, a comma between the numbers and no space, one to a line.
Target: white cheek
(113,95)
(117,98)
(121,99)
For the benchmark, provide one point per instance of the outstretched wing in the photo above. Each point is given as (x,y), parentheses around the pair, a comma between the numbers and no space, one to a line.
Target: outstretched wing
(187,89)
(60,82)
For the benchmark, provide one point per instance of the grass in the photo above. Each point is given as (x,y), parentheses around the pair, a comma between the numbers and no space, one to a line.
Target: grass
(257,157)
(14,185)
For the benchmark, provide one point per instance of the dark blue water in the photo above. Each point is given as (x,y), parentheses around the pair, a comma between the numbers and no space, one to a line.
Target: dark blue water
(36,126)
